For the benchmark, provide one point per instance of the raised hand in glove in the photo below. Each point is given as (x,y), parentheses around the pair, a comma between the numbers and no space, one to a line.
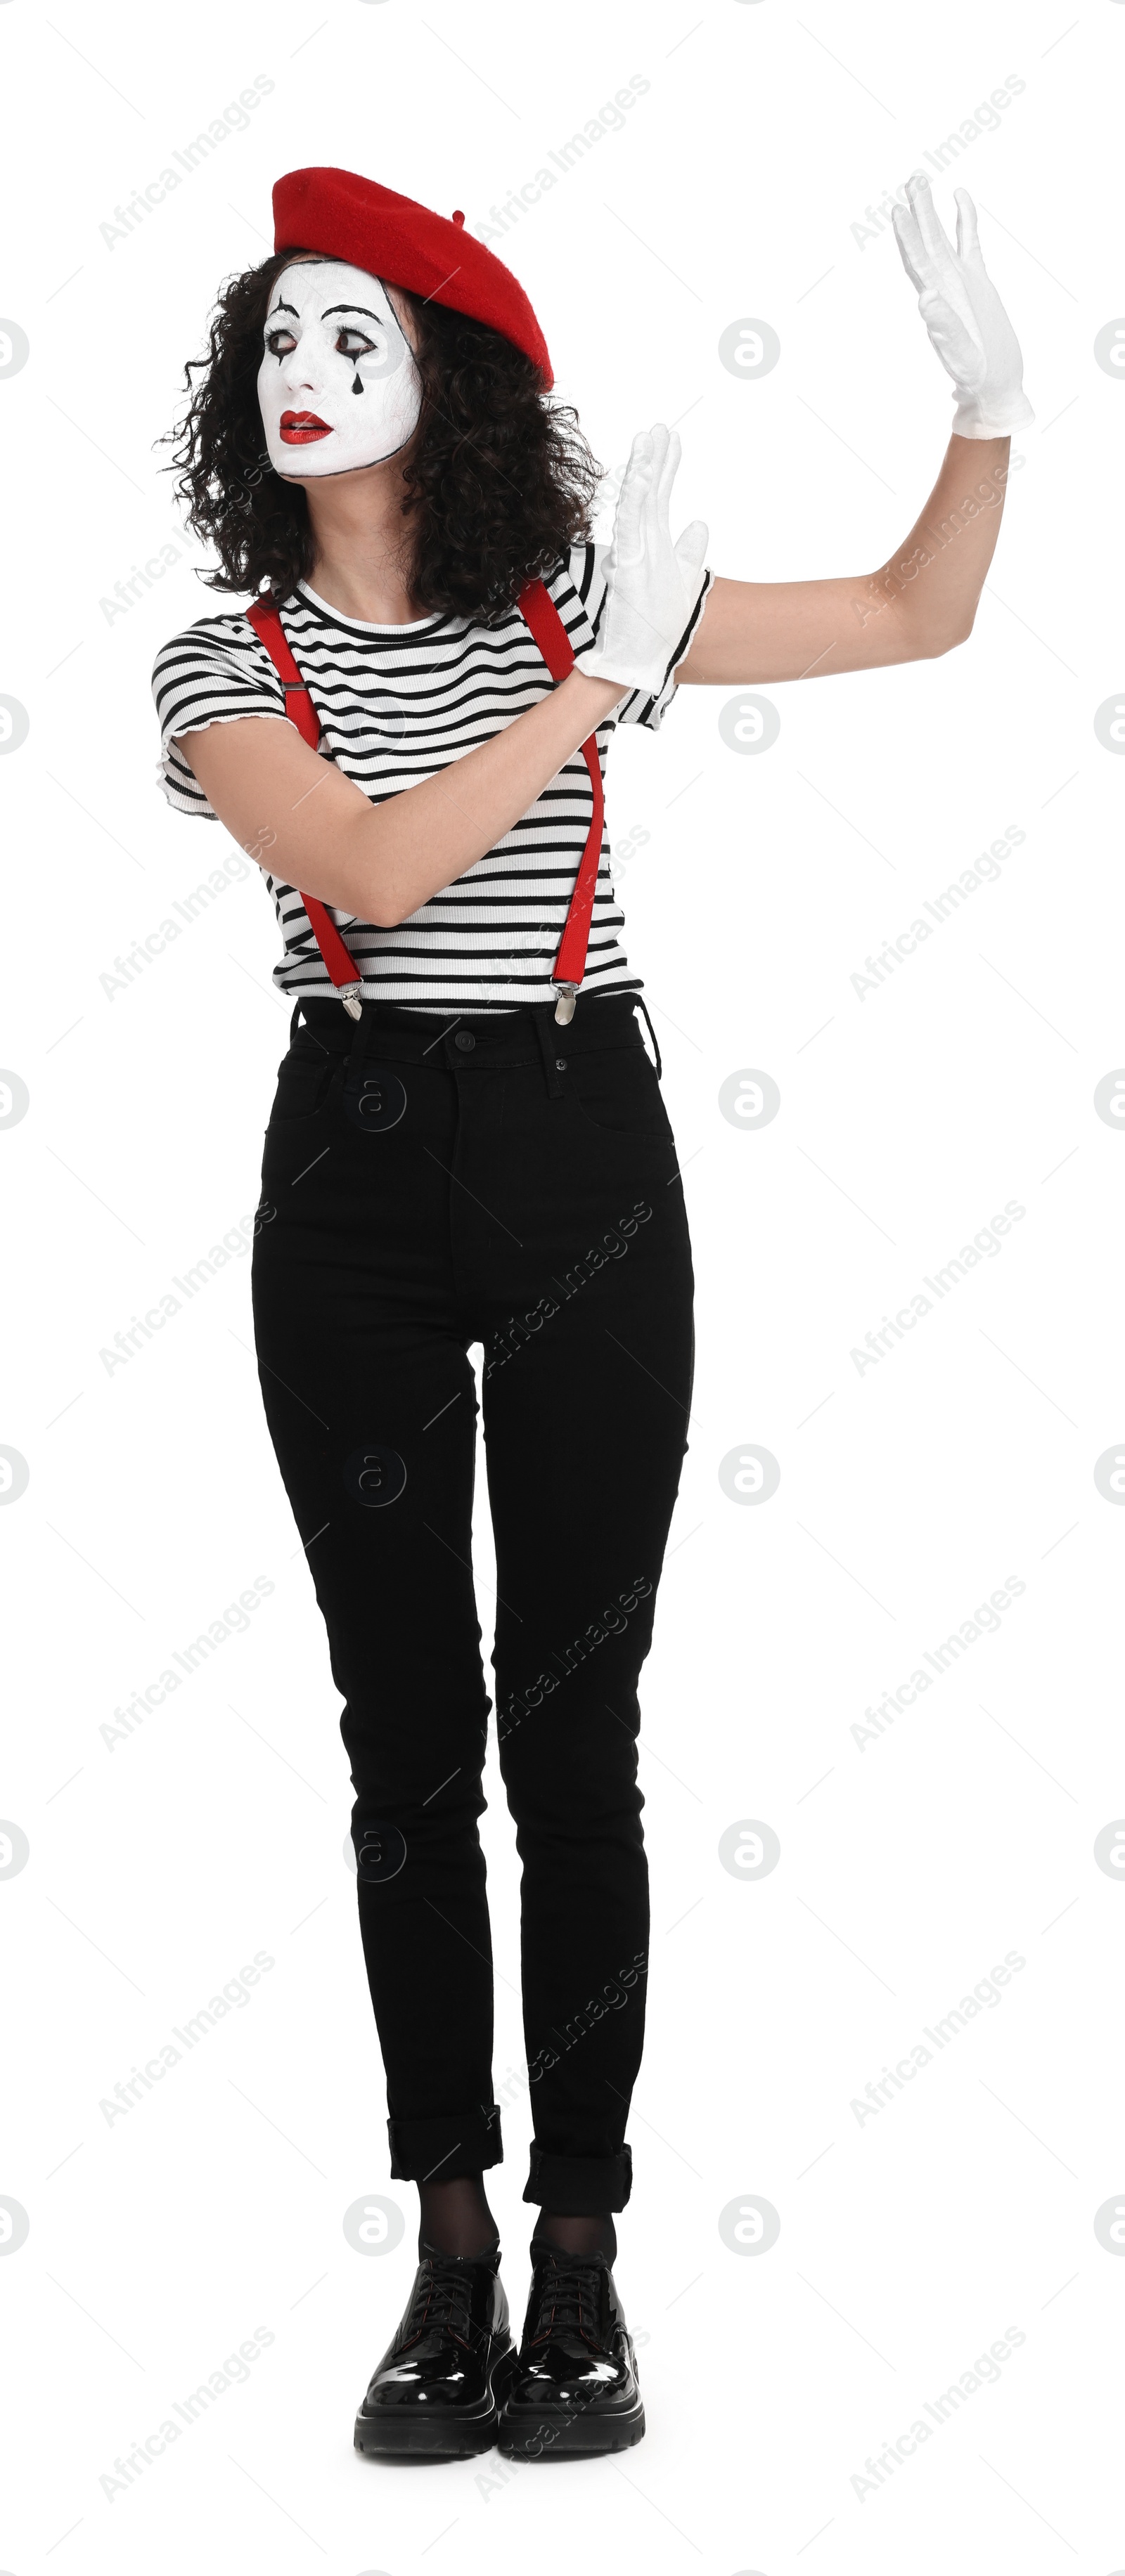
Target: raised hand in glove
(652,585)
(963,315)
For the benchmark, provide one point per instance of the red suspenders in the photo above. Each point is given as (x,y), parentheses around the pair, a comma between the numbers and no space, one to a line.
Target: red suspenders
(540,614)
(270,632)
(538,610)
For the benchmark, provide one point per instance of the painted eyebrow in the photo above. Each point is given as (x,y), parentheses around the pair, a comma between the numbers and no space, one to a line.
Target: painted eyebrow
(353,308)
(283,307)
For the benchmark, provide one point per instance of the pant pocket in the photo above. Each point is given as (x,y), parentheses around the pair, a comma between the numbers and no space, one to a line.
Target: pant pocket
(617,1092)
(305,1078)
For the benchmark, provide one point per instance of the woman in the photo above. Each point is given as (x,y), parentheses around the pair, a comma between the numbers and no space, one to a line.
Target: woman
(475,1148)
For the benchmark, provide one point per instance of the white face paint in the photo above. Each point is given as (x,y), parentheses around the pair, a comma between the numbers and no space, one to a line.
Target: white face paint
(338,385)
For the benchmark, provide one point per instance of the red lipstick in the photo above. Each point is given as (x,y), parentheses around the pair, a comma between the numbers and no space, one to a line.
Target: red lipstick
(303,428)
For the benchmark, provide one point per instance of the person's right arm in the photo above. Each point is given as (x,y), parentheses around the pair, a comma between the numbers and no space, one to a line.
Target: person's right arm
(301,818)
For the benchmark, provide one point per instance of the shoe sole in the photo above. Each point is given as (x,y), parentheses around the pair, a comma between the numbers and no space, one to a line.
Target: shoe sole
(550,2436)
(433,2437)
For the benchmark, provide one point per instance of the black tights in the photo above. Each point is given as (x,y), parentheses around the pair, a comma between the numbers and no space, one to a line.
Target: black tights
(455,2218)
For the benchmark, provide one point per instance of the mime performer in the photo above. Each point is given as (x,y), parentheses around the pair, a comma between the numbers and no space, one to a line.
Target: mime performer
(407,727)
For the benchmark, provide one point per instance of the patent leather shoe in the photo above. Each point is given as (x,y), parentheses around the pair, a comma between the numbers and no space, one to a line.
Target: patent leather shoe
(573,2392)
(434,2395)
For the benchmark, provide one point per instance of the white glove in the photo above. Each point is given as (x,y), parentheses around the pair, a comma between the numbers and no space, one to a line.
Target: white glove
(651,585)
(963,315)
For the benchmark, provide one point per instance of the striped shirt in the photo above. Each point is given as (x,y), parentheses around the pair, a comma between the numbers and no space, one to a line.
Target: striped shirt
(397,704)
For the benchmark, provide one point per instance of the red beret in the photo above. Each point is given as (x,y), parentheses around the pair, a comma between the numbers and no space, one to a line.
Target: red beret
(345,217)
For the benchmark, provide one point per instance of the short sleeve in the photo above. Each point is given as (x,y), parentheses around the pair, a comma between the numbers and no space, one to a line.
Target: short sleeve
(213,673)
(587,572)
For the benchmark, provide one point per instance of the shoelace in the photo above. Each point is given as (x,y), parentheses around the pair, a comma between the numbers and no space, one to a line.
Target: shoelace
(571,2302)
(442,2301)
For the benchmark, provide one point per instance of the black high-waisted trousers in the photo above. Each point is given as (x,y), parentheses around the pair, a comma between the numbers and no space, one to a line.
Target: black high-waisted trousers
(502,1180)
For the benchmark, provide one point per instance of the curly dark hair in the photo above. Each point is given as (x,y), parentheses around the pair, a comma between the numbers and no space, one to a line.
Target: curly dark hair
(498,482)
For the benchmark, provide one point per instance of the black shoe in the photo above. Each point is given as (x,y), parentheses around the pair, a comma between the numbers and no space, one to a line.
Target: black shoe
(432,2396)
(574,2391)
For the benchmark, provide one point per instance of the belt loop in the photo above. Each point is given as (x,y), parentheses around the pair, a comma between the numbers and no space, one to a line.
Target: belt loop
(643,1006)
(549,1039)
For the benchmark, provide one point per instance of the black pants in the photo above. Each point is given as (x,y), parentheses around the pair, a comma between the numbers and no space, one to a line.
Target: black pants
(510,1182)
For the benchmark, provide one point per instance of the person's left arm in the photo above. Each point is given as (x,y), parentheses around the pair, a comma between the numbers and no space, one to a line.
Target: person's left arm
(919,603)
(923,599)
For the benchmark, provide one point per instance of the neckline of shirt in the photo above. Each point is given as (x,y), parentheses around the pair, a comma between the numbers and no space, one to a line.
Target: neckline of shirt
(398,626)
(368,625)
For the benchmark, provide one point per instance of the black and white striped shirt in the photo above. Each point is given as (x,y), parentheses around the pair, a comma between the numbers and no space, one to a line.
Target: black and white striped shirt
(396,704)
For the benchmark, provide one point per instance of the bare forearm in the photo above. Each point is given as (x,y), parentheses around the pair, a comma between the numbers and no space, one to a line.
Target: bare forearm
(921,600)
(381,862)
(424,839)
(933,583)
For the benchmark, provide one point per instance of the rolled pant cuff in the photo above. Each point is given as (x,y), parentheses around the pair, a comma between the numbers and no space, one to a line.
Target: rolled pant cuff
(438,2150)
(580,2186)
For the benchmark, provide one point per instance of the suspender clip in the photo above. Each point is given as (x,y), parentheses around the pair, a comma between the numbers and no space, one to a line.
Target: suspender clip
(564,1007)
(349,995)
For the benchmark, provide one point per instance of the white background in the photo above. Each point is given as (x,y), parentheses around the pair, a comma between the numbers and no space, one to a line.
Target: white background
(911,1863)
